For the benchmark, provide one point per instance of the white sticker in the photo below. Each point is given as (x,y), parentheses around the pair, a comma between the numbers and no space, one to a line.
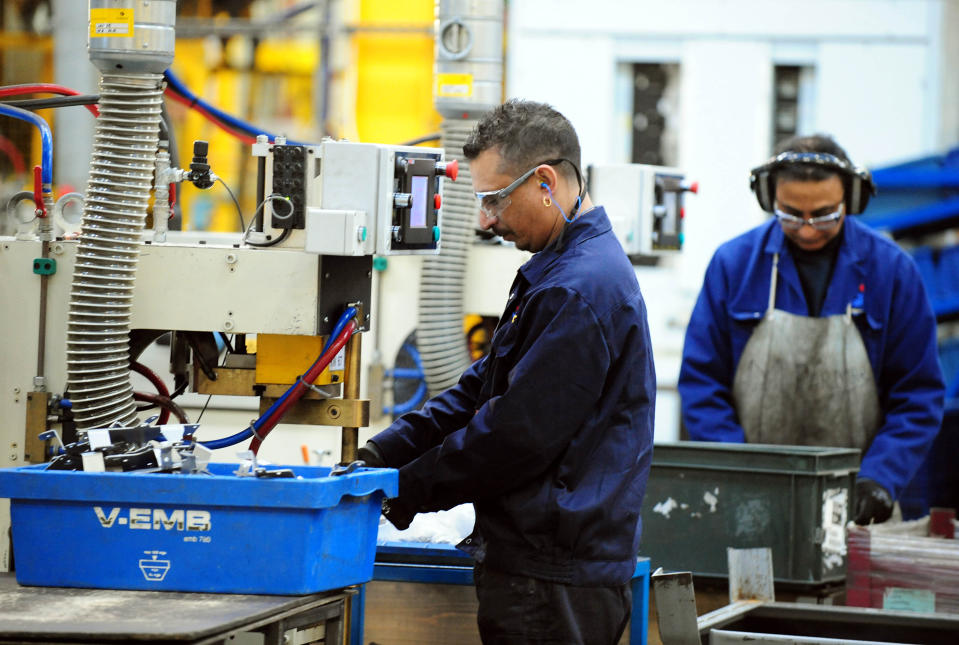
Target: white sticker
(835,502)
(339,361)
(711,500)
(173,432)
(665,508)
(99,438)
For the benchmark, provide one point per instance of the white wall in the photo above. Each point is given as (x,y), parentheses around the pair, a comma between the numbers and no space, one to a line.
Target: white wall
(882,87)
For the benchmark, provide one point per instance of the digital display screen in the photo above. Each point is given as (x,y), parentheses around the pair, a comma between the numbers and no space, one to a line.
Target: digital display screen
(418,209)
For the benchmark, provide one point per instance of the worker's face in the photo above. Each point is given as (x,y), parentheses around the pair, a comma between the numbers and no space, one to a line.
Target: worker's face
(520,217)
(810,200)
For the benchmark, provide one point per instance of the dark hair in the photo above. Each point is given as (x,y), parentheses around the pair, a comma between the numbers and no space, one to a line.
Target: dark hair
(821,143)
(526,133)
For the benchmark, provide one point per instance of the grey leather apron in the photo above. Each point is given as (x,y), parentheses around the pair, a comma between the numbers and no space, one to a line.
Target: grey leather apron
(806,381)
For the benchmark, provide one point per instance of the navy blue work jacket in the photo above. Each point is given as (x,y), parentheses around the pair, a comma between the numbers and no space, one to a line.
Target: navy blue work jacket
(550,435)
(896,323)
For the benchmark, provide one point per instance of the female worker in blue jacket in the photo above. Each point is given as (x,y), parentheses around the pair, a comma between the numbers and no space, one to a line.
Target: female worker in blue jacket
(812,329)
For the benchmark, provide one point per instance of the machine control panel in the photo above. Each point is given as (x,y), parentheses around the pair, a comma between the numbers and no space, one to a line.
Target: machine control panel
(417,201)
(356,199)
(645,205)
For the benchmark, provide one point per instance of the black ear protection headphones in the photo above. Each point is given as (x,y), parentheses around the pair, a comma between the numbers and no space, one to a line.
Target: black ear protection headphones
(857,181)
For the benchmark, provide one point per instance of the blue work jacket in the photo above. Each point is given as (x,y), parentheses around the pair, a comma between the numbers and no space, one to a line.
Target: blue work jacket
(895,321)
(550,435)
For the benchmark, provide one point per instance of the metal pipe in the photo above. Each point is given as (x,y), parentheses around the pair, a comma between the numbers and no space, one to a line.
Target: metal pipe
(351,391)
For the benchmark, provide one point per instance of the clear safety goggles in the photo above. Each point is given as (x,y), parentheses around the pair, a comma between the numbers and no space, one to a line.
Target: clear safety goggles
(821,223)
(494,202)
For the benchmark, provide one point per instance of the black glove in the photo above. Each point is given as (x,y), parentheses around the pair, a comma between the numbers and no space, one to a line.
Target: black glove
(873,503)
(370,453)
(398,513)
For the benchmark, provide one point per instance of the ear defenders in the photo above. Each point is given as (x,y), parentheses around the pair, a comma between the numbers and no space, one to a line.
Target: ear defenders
(857,181)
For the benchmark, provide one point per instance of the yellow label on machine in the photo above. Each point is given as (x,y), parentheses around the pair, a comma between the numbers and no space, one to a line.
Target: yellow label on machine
(282,359)
(111,23)
(454,85)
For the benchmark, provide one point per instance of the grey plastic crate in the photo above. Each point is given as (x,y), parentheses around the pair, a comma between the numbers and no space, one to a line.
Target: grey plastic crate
(704,497)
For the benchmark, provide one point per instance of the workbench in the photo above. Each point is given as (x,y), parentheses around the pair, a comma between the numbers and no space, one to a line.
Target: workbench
(62,615)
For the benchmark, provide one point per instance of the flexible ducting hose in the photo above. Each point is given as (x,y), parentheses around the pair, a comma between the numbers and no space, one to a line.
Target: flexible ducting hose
(439,332)
(124,153)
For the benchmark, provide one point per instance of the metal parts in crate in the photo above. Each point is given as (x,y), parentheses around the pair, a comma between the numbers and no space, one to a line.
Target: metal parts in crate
(216,532)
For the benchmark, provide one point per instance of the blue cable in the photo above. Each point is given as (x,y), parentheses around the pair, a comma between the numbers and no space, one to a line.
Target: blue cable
(46,140)
(229,119)
(232,440)
(572,213)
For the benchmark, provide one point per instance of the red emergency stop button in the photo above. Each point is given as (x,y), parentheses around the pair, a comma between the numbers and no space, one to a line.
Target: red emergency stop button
(437,201)
(451,169)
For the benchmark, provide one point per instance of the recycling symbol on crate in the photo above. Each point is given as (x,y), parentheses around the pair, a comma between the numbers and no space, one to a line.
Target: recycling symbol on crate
(153,568)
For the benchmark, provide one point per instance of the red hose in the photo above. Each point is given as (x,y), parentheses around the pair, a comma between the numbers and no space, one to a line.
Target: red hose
(299,389)
(16,159)
(151,376)
(161,389)
(44,88)
(166,405)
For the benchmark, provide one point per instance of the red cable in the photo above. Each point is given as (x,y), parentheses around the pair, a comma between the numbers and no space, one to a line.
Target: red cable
(160,386)
(166,406)
(44,88)
(184,101)
(16,159)
(151,376)
(300,388)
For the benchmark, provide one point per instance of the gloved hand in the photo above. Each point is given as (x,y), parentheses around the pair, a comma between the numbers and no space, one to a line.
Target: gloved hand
(873,503)
(370,453)
(398,513)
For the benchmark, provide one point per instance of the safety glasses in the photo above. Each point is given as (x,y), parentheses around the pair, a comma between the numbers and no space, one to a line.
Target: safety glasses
(821,223)
(494,202)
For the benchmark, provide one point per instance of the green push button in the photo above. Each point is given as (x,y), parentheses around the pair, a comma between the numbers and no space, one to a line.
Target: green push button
(436,233)
(379,263)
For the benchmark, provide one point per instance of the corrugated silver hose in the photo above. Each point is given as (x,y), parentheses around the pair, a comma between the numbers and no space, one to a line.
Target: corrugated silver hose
(124,153)
(439,332)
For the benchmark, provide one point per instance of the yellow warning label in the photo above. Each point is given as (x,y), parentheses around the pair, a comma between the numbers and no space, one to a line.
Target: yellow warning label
(454,85)
(111,23)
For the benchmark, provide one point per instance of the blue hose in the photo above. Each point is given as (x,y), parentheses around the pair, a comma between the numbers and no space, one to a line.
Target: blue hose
(232,440)
(410,373)
(46,139)
(230,120)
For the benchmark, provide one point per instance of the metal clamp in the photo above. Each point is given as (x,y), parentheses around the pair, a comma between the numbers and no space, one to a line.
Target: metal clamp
(339,470)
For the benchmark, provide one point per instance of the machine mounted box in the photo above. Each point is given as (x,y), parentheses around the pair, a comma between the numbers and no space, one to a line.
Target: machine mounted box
(704,497)
(217,533)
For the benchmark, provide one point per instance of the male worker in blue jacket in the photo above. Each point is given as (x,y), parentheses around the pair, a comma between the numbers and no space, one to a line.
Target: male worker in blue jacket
(550,435)
(814,330)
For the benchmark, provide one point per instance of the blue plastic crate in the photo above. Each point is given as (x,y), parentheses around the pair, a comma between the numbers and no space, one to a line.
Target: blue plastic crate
(217,533)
